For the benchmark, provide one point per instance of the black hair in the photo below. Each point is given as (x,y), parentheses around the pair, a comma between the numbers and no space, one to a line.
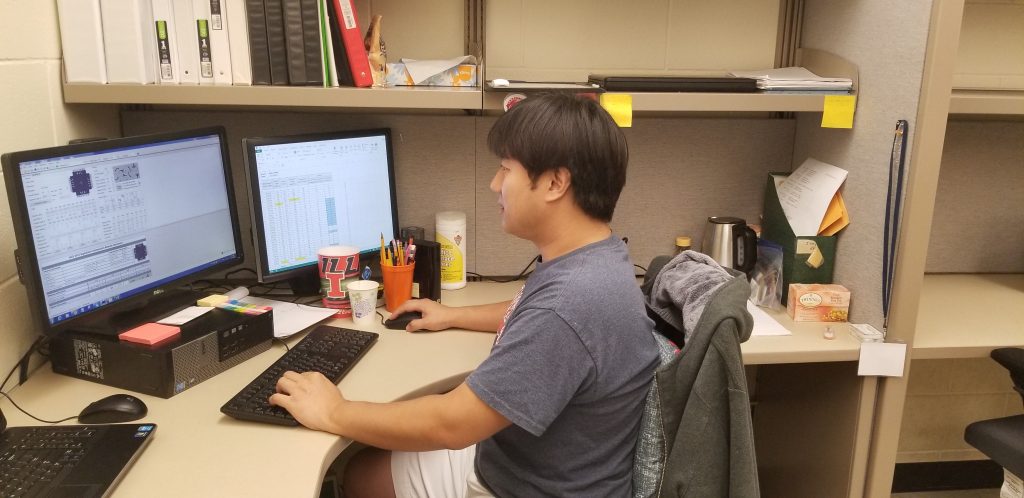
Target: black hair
(548,131)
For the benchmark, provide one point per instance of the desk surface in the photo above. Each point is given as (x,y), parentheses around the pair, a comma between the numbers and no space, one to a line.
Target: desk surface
(197,451)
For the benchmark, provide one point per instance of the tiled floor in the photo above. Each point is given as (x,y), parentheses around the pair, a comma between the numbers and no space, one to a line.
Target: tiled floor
(968,493)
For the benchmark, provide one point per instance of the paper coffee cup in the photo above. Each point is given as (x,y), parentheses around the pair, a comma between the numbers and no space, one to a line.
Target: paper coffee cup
(363,296)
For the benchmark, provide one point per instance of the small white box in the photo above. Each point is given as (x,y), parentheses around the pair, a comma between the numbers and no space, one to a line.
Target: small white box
(864,332)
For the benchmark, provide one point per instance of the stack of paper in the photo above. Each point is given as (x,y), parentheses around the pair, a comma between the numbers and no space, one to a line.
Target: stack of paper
(811,200)
(795,79)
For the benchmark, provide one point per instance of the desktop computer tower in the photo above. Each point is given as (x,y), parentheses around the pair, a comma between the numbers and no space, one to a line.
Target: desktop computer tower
(208,345)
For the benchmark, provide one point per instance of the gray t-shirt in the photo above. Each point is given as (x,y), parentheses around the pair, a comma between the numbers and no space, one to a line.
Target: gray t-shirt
(570,368)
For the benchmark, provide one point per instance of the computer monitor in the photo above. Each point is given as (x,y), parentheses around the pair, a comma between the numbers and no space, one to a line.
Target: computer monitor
(109,227)
(313,191)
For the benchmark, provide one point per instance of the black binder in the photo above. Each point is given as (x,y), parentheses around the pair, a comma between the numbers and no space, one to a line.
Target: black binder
(311,40)
(276,42)
(259,58)
(674,83)
(295,45)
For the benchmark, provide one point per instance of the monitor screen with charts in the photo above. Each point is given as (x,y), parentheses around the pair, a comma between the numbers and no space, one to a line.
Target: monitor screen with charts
(313,191)
(114,224)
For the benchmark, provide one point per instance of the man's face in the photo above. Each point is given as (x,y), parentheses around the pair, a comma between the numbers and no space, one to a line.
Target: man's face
(520,203)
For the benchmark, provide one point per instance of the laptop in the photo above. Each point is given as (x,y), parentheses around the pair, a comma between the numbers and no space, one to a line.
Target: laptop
(674,83)
(81,461)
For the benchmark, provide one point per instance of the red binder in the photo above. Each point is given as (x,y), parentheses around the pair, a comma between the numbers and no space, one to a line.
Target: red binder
(352,38)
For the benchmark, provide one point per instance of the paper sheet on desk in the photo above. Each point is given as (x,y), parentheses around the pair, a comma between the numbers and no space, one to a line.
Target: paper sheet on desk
(805,195)
(421,70)
(764,324)
(289,318)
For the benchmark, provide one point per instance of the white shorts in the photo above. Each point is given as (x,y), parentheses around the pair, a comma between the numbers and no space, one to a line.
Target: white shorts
(435,474)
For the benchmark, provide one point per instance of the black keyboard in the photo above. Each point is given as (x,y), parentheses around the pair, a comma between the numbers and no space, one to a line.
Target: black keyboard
(34,458)
(331,351)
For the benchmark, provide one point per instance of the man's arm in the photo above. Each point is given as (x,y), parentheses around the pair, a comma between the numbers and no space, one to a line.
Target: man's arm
(452,420)
(436,316)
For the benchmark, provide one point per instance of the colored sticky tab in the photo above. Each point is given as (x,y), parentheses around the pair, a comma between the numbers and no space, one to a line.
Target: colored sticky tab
(620,106)
(838,111)
(150,333)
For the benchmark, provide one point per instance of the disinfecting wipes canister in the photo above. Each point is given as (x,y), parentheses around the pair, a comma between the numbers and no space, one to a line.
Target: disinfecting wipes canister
(451,235)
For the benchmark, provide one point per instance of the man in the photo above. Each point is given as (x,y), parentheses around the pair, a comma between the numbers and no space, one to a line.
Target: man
(555,408)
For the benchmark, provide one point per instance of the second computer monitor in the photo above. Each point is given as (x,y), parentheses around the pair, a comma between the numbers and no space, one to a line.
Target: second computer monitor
(312,191)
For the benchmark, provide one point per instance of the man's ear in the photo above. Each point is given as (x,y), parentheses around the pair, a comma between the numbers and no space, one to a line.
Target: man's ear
(559,183)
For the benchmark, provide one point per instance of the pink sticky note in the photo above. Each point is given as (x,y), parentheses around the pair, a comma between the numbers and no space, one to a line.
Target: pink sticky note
(150,333)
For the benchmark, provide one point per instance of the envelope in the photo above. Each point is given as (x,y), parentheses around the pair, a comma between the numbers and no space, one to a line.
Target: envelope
(458,71)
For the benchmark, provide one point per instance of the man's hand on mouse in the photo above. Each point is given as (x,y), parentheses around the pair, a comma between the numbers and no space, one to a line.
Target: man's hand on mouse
(436,316)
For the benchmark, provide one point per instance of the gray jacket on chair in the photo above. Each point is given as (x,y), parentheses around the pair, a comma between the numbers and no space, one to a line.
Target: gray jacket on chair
(704,403)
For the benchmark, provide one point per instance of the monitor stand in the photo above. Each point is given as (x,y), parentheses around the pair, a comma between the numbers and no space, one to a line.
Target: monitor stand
(305,284)
(118,320)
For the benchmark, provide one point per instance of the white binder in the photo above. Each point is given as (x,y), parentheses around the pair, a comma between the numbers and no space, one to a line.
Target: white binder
(238,38)
(129,41)
(166,43)
(81,36)
(188,42)
(218,54)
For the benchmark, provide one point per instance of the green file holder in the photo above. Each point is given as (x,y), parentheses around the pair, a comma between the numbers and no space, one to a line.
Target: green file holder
(796,251)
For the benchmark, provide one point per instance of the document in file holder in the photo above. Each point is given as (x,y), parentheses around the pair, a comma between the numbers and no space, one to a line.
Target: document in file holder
(806,194)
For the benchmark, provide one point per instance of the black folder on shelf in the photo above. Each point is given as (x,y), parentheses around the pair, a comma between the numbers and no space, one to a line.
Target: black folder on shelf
(294,44)
(311,39)
(276,45)
(624,83)
(259,55)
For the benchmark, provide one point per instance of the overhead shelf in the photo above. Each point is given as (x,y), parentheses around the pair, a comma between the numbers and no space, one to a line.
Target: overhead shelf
(817,61)
(446,97)
(278,96)
(996,102)
(705,102)
(969,315)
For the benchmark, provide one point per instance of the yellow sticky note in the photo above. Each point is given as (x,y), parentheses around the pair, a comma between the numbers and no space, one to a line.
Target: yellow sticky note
(620,106)
(838,111)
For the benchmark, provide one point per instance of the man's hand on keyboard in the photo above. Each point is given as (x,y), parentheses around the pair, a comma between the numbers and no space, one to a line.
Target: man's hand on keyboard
(311,398)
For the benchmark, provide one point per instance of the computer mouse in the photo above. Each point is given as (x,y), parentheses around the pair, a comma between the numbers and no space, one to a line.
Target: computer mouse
(113,409)
(399,322)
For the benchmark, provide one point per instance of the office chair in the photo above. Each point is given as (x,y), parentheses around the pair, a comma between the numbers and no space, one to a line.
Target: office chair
(1002,439)
(696,435)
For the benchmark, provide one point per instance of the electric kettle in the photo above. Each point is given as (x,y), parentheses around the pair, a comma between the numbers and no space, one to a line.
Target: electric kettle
(731,242)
